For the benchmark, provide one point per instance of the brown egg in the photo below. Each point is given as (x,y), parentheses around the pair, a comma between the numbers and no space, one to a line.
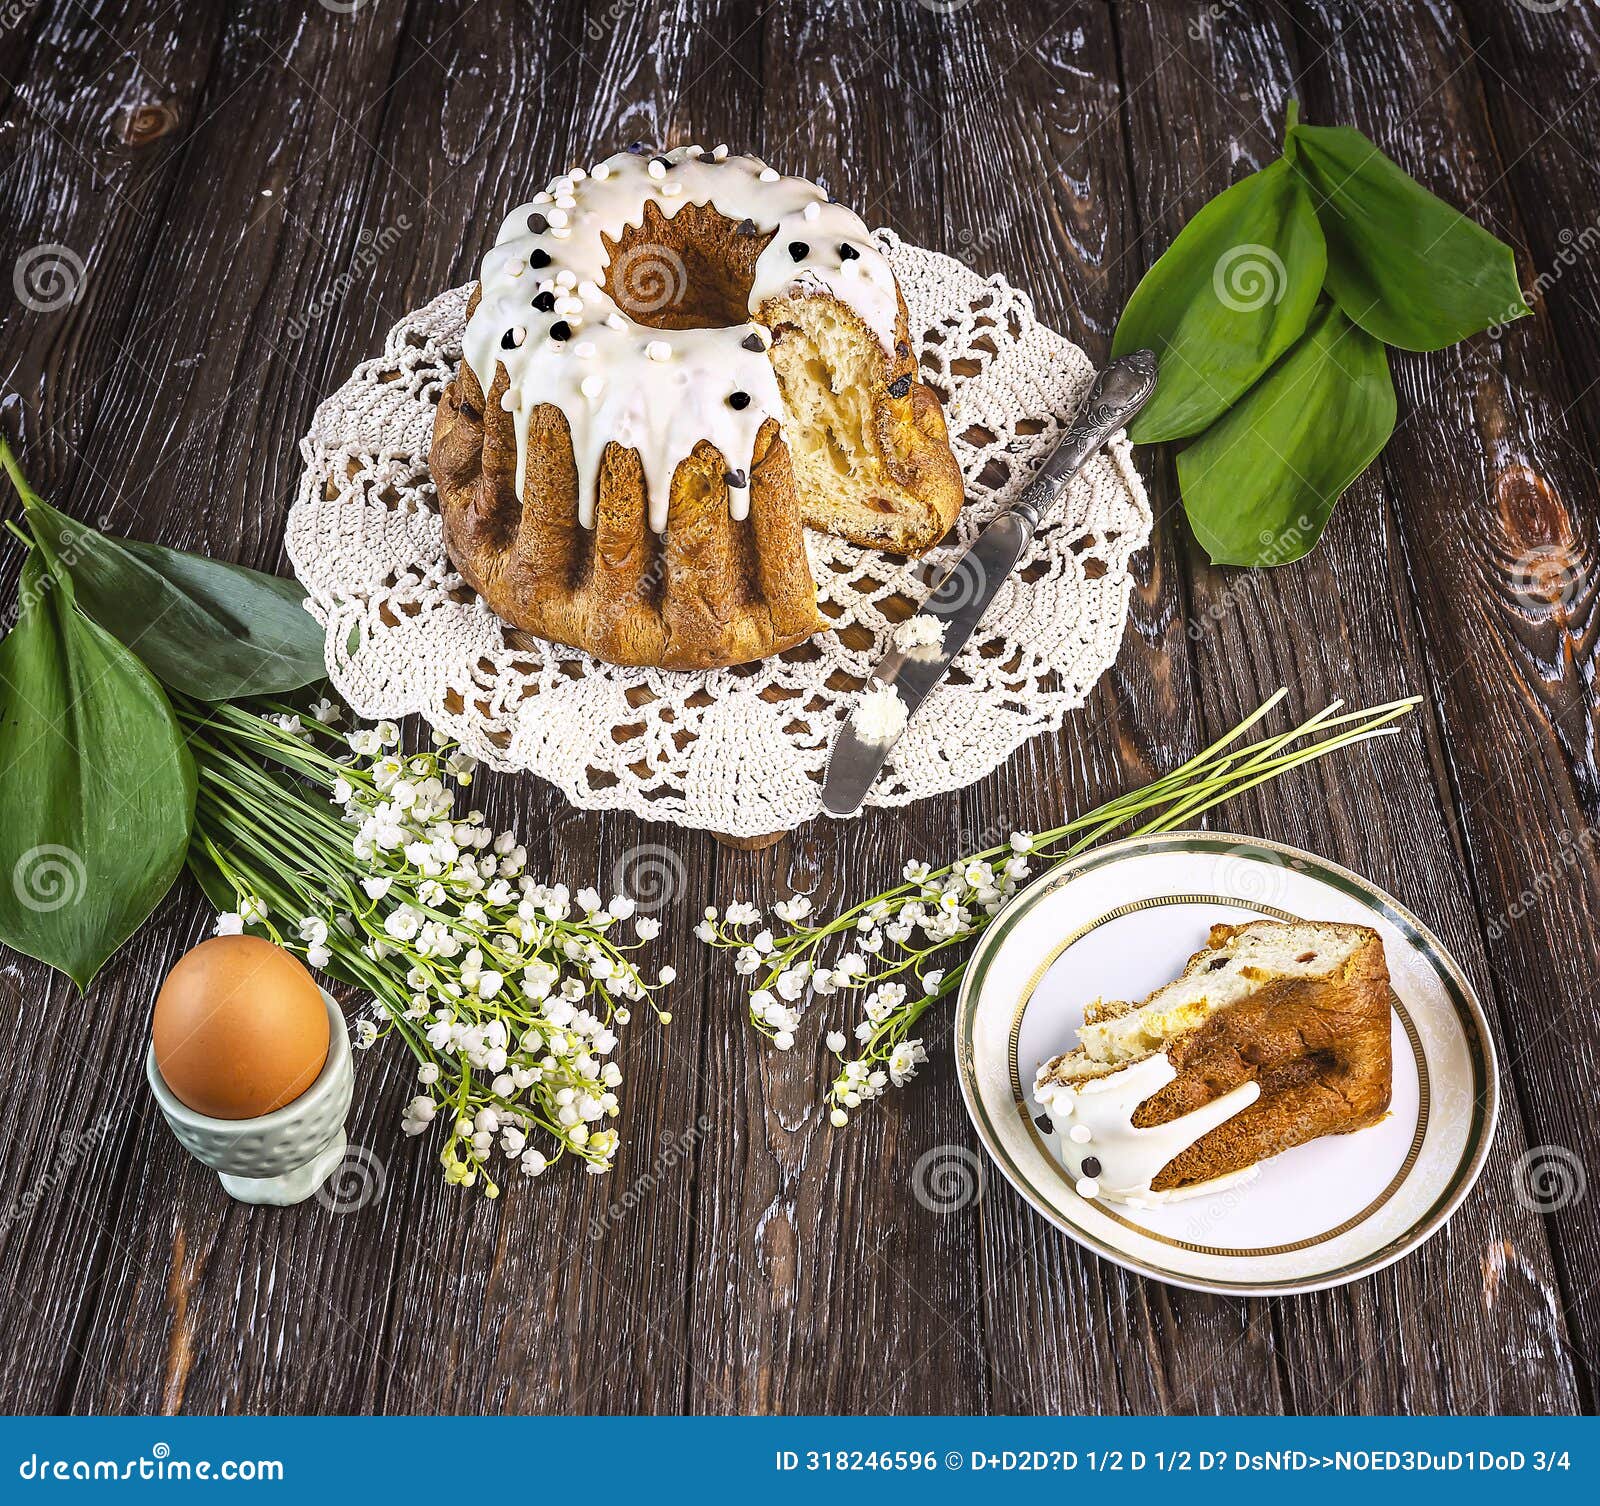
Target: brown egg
(240,1028)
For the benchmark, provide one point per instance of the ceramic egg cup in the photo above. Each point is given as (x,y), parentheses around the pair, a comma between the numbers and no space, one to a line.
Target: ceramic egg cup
(282,1157)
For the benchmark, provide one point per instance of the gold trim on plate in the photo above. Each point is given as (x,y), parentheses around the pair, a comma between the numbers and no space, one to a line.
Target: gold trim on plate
(1468,1013)
(1156,902)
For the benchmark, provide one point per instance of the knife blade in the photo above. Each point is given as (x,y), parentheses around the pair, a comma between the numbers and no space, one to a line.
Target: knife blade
(967,588)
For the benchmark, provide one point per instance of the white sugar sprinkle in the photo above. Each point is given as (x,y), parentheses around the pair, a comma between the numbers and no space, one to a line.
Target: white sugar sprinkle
(658,350)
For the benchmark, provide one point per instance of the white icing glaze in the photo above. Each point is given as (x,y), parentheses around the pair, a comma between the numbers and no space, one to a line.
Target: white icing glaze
(880,715)
(659,392)
(1093,1117)
(921,634)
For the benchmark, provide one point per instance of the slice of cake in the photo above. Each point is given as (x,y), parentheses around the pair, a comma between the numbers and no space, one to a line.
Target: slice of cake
(1277,1033)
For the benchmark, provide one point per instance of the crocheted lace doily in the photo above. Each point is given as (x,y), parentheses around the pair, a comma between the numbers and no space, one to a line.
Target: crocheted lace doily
(738,751)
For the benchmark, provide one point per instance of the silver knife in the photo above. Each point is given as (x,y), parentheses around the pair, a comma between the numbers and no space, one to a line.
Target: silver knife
(963,595)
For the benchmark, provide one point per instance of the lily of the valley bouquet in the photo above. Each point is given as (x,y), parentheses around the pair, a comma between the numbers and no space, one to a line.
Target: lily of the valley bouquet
(141,696)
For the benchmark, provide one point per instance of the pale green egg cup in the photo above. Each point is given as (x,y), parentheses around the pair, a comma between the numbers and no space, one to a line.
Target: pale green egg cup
(285,1156)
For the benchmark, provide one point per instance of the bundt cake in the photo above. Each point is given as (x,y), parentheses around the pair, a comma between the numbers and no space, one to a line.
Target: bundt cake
(673,365)
(1277,1033)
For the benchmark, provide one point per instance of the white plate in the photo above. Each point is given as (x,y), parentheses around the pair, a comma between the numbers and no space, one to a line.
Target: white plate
(1124,919)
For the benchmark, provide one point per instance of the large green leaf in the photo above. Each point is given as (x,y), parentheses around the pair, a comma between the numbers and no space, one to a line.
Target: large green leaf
(213,630)
(1259,485)
(1231,294)
(1402,263)
(97,786)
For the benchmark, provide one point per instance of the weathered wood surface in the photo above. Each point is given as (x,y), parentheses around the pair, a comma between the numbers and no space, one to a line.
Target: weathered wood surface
(214,170)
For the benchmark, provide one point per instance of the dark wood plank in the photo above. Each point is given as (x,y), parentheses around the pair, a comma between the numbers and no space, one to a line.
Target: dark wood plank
(1485,468)
(68,182)
(1537,70)
(568,1319)
(215,172)
(165,1321)
(1036,172)
(822,1286)
(1339,623)
(86,143)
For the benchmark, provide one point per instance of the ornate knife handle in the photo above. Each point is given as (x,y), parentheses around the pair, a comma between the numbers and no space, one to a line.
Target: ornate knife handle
(1118,393)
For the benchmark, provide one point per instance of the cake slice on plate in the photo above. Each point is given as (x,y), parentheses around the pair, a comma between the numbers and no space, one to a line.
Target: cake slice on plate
(1277,1033)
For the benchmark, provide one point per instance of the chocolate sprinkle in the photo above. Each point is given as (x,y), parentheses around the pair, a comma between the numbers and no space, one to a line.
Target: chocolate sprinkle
(735,479)
(538,257)
(664,161)
(538,224)
(561,330)
(799,250)
(509,341)
(545,302)
(900,386)
(847,252)
(738,400)
(1091,1166)
(752,342)
(745,227)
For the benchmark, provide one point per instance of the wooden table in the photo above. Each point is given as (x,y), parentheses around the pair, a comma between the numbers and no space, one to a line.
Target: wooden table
(219,170)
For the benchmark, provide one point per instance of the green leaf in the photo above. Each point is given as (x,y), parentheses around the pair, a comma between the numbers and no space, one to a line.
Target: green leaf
(1232,293)
(1402,263)
(212,630)
(1260,484)
(96,784)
